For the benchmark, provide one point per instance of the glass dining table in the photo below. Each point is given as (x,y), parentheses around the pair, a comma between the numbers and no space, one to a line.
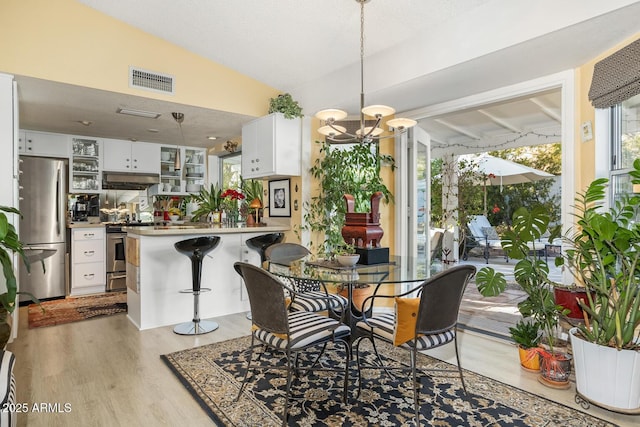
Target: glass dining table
(398,275)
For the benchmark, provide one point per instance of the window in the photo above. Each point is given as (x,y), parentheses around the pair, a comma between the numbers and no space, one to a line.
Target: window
(231,171)
(625,144)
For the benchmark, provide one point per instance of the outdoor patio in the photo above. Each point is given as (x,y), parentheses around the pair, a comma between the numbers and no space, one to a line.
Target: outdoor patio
(494,315)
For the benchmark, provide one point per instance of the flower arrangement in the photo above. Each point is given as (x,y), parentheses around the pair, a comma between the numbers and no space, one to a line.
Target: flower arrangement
(230,198)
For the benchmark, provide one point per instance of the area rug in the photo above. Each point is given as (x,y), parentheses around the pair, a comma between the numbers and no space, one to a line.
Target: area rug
(213,374)
(74,309)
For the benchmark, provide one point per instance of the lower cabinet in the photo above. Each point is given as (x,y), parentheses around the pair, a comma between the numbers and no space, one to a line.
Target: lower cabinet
(88,274)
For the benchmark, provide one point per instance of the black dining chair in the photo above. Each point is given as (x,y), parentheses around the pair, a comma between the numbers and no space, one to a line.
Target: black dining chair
(311,294)
(425,317)
(278,329)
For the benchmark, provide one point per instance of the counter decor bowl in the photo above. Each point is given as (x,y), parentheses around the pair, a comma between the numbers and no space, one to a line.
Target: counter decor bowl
(174,218)
(348,260)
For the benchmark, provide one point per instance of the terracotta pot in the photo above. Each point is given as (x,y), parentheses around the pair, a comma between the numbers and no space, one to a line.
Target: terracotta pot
(358,295)
(568,298)
(529,358)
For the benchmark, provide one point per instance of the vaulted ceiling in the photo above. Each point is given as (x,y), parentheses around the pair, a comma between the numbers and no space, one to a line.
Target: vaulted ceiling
(417,53)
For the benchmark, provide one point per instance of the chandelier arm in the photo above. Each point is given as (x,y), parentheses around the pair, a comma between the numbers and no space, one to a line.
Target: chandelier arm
(373,128)
(339,132)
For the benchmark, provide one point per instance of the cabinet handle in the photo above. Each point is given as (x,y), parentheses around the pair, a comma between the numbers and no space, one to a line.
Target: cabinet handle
(89,253)
(88,235)
(89,276)
(257,160)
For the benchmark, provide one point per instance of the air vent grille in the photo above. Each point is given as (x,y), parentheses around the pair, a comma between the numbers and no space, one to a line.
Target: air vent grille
(150,80)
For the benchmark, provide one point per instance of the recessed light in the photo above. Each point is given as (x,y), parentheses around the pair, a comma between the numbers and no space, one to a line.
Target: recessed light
(153,130)
(212,138)
(138,113)
(85,122)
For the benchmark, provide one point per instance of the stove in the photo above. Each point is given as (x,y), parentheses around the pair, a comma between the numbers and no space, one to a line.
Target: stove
(116,253)
(116,227)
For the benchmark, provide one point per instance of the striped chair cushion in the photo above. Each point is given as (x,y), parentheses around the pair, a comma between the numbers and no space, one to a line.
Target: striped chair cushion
(304,328)
(7,388)
(309,302)
(381,325)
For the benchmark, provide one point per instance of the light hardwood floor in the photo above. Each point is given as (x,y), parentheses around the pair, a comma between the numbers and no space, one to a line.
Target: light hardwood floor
(110,374)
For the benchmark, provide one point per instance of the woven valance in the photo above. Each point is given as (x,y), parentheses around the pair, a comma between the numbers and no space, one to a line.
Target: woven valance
(617,77)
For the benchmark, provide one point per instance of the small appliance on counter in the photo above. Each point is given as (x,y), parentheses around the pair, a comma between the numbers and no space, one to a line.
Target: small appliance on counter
(85,206)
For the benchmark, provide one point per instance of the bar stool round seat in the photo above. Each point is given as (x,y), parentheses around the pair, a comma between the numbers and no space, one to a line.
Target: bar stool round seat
(196,249)
(261,243)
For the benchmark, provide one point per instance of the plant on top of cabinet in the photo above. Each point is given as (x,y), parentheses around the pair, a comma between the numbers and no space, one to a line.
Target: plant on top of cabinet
(286,105)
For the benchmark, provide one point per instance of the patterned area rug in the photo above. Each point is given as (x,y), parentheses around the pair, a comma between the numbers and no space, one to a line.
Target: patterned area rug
(213,374)
(74,309)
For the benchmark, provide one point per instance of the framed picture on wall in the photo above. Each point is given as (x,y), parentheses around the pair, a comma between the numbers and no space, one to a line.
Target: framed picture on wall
(279,198)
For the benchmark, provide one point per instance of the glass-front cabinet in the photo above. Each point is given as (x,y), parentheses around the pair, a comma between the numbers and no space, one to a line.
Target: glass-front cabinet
(85,165)
(170,178)
(194,169)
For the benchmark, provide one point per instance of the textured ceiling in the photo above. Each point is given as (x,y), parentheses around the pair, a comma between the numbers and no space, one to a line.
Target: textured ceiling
(418,53)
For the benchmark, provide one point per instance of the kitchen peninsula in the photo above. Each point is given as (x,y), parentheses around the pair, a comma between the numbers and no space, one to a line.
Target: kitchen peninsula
(156,273)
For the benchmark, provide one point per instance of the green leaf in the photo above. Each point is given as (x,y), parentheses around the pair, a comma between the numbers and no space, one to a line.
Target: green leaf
(489,282)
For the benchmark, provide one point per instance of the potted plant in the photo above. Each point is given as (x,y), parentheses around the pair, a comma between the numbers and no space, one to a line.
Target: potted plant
(286,105)
(209,201)
(532,274)
(604,255)
(527,334)
(9,244)
(345,255)
(339,171)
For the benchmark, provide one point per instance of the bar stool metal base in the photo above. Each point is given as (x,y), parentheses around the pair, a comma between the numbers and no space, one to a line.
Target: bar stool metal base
(196,328)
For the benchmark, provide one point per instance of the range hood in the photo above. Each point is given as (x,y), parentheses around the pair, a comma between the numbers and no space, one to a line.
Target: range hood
(128,180)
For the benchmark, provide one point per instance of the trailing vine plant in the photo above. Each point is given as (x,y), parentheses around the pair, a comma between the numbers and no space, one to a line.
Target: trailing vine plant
(286,105)
(342,169)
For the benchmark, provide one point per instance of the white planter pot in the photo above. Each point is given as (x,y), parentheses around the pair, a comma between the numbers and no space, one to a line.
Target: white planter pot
(605,376)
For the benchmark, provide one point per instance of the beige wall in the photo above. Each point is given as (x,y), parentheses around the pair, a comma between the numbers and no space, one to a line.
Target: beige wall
(65,41)
(585,151)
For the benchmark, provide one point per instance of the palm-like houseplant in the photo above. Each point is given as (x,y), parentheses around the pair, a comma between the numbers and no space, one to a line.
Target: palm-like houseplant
(532,274)
(209,201)
(604,256)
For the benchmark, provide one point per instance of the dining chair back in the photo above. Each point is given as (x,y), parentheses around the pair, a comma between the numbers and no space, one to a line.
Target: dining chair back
(280,330)
(286,253)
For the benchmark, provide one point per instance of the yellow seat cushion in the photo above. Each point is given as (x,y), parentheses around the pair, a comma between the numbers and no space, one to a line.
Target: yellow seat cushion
(406,317)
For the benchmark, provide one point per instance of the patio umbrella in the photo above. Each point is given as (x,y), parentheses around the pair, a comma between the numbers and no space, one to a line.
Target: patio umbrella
(504,172)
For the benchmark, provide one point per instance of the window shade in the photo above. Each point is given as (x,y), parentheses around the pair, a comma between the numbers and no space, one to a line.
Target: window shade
(617,77)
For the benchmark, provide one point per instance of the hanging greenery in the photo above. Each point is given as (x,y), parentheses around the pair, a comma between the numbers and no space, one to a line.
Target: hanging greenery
(343,169)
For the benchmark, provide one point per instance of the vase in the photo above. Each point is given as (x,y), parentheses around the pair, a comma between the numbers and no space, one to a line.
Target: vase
(216,217)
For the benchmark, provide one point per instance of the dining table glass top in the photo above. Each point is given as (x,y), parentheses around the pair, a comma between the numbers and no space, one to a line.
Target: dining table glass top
(397,270)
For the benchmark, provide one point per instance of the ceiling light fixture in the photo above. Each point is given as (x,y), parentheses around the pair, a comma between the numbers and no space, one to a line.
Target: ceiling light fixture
(178,117)
(138,113)
(212,138)
(85,122)
(373,133)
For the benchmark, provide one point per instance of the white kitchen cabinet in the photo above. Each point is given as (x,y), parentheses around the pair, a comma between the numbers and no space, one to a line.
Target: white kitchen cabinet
(33,143)
(85,165)
(88,269)
(127,156)
(194,169)
(191,176)
(271,147)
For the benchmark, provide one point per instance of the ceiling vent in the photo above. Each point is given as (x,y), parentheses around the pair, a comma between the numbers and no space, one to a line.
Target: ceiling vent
(150,80)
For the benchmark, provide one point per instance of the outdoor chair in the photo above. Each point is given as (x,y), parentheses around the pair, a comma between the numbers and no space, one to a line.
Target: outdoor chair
(485,235)
(311,295)
(280,330)
(425,317)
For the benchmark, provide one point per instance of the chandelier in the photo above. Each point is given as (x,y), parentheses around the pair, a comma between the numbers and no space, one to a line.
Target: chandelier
(337,133)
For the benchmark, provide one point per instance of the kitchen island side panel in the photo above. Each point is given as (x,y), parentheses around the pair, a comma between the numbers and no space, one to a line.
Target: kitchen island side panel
(164,273)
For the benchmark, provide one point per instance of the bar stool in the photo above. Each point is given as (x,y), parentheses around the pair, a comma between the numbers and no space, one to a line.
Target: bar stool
(260,244)
(196,249)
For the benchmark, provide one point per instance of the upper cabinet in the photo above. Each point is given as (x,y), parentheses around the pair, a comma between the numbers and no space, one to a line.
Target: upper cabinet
(85,175)
(126,156)
(188,179)
(32,143)
(271,147)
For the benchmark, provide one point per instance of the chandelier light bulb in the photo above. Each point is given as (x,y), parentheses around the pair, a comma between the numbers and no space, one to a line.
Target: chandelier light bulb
(401,123)
(331,115)
(378,111)
(332,131)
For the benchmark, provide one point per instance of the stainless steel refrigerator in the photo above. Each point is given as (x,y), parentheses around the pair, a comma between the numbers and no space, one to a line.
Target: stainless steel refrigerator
(43,195)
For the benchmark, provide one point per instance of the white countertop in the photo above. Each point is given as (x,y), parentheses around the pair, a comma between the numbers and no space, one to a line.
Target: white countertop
(172,230)
(84,224)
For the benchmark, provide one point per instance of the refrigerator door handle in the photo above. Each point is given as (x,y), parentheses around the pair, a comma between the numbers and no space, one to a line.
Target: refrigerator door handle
(58,184)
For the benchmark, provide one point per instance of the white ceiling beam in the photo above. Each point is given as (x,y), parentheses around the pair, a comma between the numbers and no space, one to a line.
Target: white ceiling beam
(549,111)
(458,129)
(499,121)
